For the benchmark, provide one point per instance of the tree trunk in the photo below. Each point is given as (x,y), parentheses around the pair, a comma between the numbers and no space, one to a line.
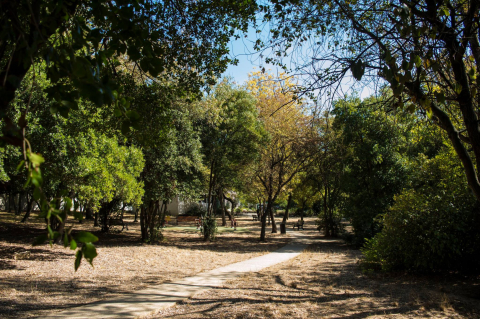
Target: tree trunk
(13,203)
(8,201)
(163,213)
(213,206)
(61,228)
(64,216)
(289,202)
(210,186)
(80,209)
(222,204)
(18,212)
(232,203)
(264,222)
(89,214)
(143,228)
(135,209)
(103,213)
(325,215)
(152,212)
(29,210)
(274,225)
(149,218)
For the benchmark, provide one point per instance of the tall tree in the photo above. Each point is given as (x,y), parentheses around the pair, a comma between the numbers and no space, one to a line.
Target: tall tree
(82,41)
(231,137)
(326,172)
(374,167)
(427,52)
(287,152)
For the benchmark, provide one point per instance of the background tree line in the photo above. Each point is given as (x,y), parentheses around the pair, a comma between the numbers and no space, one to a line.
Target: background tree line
(104,105)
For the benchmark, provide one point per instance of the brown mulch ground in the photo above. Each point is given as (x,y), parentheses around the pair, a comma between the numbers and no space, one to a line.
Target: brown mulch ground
(326,282)
(43,279)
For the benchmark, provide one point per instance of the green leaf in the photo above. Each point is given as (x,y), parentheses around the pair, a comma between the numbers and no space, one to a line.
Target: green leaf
(22,163)
(50,232)
(125,127)
(78,259)
(36,159)
(429,112)
(36,177)
(358,69)
(472,74)
(440,97)
(40,240)
(144,64)
(65,240)
(69,105)
(86,237)
(417,61)
(37,193)
(398,90)
(67,205)
(458,88)
(411,108)
(73,244)
(78,215)
(90,252)
(133,115)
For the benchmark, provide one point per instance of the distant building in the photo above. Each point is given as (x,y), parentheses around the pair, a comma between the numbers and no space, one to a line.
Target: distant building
(176,207)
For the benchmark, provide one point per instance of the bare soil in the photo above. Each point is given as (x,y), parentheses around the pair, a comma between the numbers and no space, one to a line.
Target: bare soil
(38,280)
(327,282)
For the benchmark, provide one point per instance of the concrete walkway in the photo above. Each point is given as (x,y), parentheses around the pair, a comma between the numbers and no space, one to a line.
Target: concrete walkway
(144,302)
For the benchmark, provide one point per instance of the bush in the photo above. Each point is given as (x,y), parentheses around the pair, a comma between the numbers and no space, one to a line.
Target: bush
(209,227)
(195,209)
(429,229)
(330,223)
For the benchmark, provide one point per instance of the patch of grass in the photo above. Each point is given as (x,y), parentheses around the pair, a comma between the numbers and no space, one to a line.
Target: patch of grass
(220,229)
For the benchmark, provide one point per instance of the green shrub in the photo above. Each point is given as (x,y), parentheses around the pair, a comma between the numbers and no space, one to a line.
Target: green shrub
(431,228)
(330,222)
(195,209)
(209,227)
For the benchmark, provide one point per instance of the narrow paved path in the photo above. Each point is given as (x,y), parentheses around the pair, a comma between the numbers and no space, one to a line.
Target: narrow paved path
(157,297)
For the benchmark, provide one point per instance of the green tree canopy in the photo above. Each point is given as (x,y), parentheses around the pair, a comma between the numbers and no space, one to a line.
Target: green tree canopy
(426,52)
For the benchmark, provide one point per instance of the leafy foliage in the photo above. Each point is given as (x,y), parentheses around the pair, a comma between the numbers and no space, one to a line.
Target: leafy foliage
(195,209)
(291,142)
(374,168)
(432,226)
(232,135)
(426,52)
(209,227)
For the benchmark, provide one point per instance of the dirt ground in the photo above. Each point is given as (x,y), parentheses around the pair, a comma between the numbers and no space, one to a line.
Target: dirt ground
(38,280)
(326,282)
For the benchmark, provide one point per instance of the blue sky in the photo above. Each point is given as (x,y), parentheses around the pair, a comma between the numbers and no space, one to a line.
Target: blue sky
(242,49)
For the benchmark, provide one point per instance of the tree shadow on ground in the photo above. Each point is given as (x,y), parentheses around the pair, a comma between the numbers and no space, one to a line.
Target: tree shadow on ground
(327,281)
(14,232)
(18,306)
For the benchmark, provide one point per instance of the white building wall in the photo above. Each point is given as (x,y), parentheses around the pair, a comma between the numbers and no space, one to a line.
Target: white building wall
(174,208)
